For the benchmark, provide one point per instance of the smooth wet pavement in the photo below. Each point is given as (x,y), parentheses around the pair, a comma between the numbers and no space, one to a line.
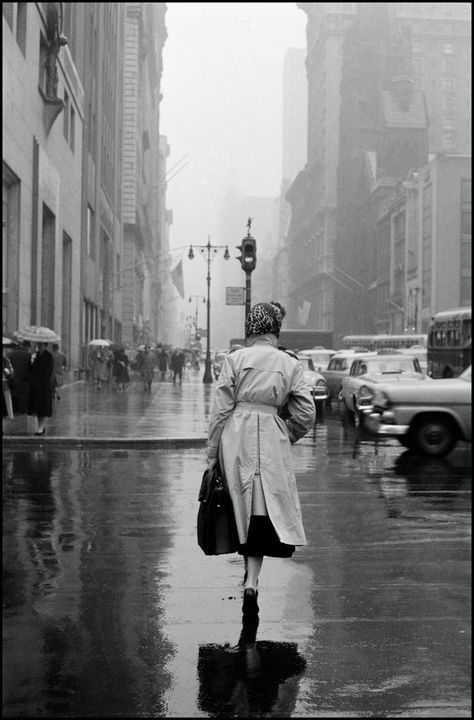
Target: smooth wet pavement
(112,610)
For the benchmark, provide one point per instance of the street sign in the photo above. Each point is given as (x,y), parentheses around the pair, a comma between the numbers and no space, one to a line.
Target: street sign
(235,296)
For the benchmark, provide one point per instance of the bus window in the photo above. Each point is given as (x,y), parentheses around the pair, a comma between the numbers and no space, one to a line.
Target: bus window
(466,330)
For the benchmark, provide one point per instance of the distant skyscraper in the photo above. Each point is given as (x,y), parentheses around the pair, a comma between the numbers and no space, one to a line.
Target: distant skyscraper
(295,113)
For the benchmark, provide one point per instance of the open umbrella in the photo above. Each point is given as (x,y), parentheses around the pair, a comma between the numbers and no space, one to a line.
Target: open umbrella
(8,341)
(99,342)
(37,333)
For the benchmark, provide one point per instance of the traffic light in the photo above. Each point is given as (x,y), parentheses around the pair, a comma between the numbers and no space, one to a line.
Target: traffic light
(248,259)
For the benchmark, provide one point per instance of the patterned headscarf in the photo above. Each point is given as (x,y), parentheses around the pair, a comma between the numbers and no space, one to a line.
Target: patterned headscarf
(263,318)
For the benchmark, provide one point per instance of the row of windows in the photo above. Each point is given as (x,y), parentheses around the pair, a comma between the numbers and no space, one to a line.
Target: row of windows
(448,67)
(417,47)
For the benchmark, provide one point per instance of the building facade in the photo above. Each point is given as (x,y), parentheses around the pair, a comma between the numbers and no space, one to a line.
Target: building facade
(43,115)
(329,246)
(145,35)
(98,29)
(294,153)
(81,163)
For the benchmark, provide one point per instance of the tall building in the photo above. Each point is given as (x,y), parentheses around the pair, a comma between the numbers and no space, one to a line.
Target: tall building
(434,40)
(98,30)
(164,323)
(424,244)
(145,35)
(382,135)
(313,195)
(44,109)
(294,149)
(81,161)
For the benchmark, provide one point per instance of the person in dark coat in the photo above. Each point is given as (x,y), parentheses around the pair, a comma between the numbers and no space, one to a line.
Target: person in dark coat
(120,369)
(20,358)
(177,363)
(7,384)
(162,359)
(40,398)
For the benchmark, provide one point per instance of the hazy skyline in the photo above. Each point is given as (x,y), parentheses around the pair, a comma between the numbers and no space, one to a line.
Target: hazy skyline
(222,106)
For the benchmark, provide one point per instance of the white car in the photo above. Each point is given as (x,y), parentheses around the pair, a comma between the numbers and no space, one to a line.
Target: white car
(315,382)
(430,417)
(358,387)
(319,356)
(338,369)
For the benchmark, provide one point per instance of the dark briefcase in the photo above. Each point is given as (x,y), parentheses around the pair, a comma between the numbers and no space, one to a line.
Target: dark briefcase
(216,528)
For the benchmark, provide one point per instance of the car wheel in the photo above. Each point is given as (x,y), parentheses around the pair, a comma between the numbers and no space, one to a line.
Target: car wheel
(433,435)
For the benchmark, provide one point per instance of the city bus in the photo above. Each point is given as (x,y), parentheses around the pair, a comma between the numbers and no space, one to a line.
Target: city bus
(375,342)
(449,343)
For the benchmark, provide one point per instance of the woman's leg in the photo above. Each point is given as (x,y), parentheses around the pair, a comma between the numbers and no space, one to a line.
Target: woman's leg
(254,565)
(250,605)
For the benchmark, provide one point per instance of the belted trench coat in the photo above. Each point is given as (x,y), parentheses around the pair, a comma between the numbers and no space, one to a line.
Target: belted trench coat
(250,438)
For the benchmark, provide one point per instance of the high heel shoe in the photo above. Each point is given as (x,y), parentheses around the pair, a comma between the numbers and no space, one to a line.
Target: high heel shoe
(250,605)
(43,431)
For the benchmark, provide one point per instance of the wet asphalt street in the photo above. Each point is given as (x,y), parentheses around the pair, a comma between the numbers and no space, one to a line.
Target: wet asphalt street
(112,610)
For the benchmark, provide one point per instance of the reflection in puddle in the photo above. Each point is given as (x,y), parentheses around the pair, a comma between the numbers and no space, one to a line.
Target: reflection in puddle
(251,678)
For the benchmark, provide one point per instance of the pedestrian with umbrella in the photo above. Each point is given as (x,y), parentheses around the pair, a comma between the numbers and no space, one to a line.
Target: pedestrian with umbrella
(146,367)
(98,361)
(41,369)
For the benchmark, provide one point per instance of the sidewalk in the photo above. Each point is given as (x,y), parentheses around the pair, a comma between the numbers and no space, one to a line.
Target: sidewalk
(169,414)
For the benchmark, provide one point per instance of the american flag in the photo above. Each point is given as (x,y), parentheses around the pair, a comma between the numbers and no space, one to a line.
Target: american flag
(303,312)
(177,277)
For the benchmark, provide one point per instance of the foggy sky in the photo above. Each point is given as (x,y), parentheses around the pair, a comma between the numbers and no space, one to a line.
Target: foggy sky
(222,107)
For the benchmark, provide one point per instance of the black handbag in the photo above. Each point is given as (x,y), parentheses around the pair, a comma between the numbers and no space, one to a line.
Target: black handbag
(216,529)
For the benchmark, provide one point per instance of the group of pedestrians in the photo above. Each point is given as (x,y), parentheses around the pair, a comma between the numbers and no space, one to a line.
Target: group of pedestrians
(113,365)
(109,365)
(31,381)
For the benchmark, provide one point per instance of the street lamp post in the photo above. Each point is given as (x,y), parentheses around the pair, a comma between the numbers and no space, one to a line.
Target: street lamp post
(207,369)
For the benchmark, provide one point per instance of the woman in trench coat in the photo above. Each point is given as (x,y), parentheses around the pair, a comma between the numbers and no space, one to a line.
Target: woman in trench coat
(253,443)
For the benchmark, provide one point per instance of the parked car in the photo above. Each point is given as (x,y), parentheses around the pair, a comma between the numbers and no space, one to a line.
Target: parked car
(358,387)
(429,417)
(338,368)
(319,356)
(315,381)
(218,360)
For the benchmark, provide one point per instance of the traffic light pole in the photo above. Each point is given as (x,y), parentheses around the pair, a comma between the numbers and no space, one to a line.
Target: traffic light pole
(248,299)
(248,261)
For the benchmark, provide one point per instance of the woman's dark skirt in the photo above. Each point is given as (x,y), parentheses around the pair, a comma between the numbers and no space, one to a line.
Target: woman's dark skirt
(263,540)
